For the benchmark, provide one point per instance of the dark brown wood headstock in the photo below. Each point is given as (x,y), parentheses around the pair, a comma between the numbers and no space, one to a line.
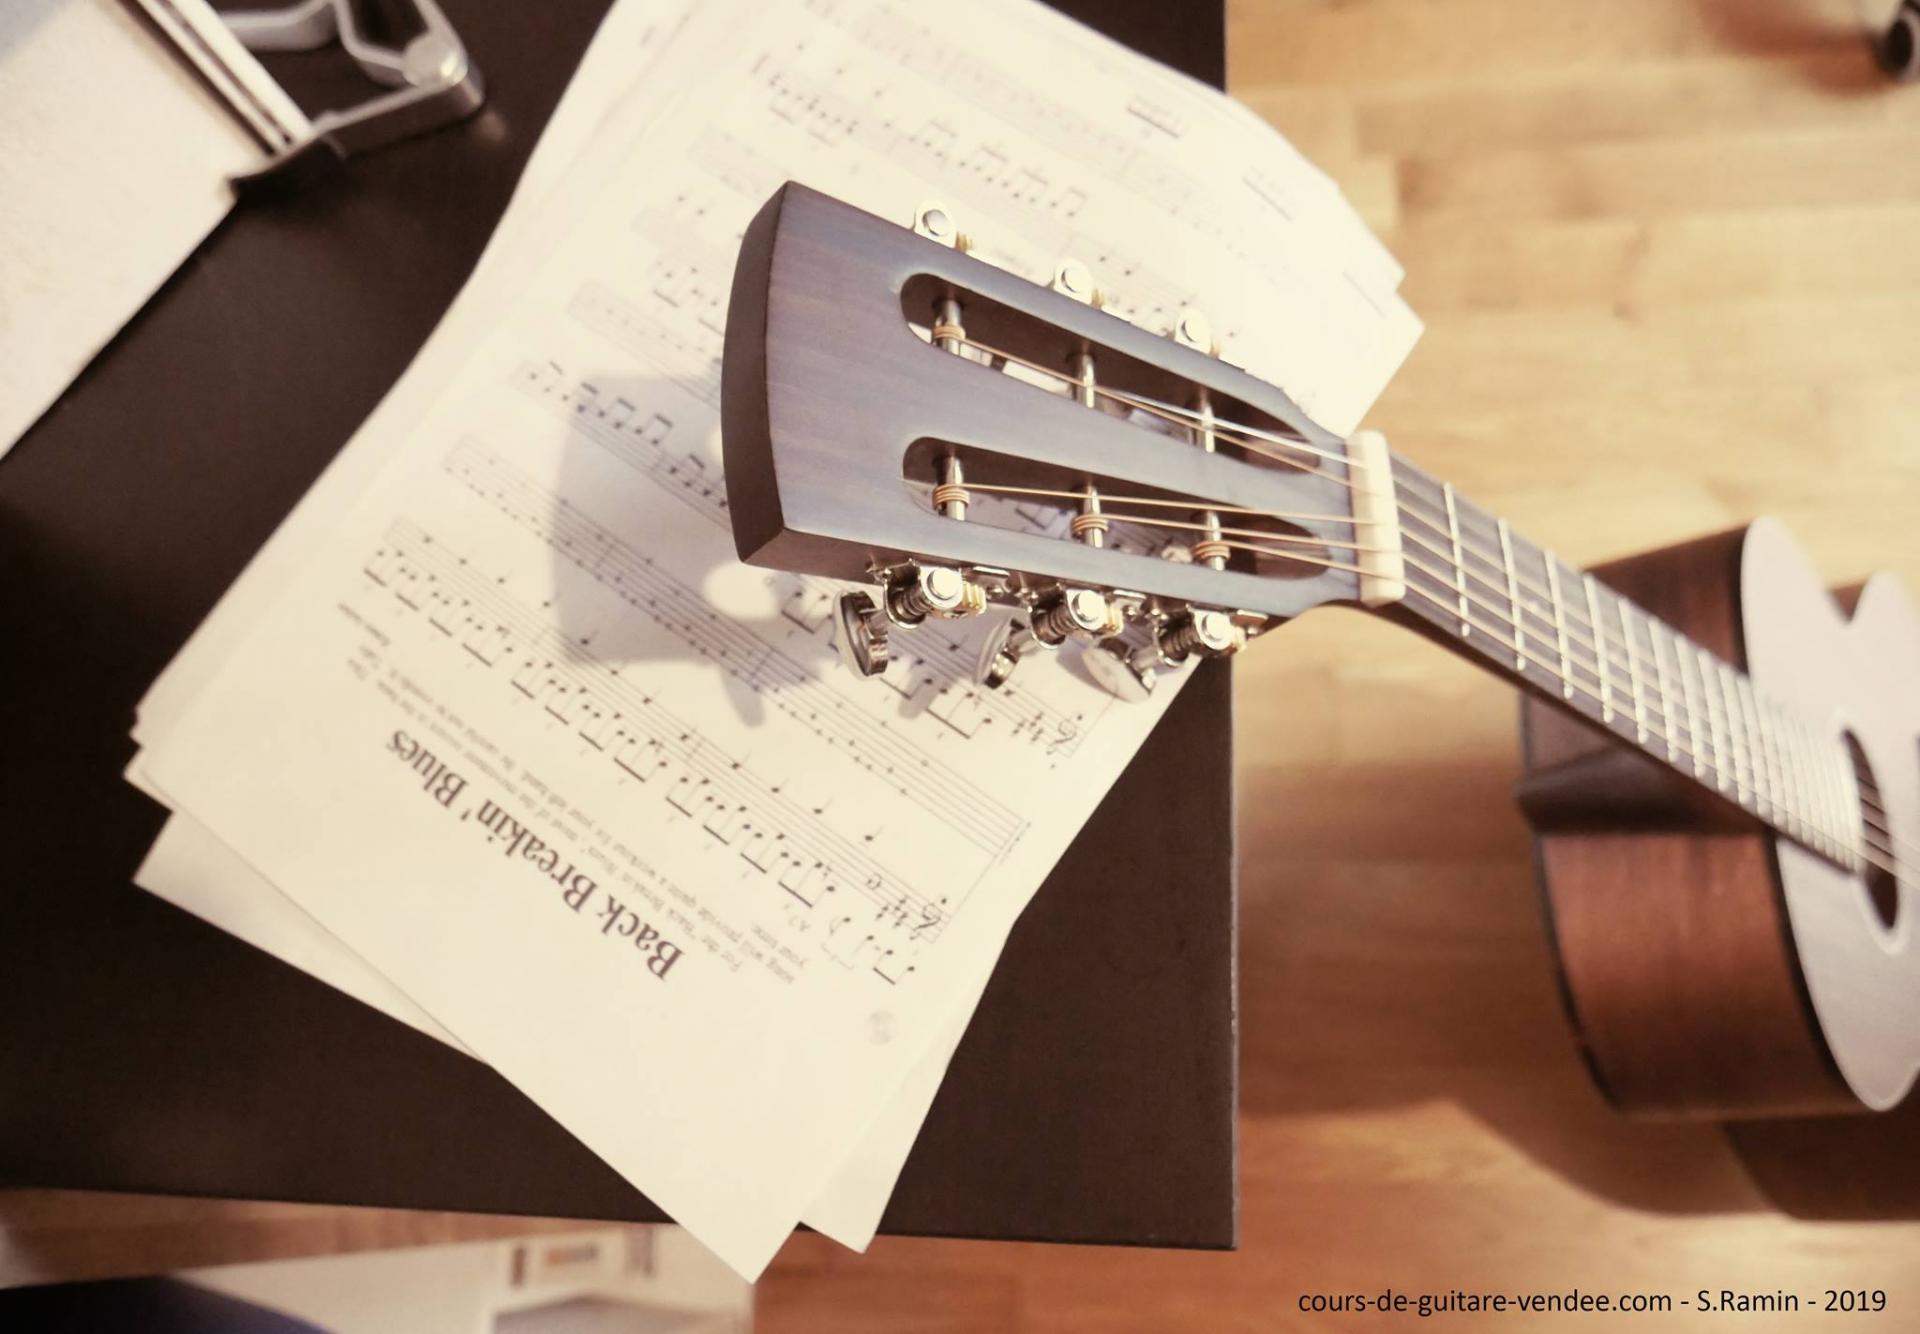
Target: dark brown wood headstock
(898,411)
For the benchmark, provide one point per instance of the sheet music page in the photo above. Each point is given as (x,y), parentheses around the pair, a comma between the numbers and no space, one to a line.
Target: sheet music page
(192,869)
(525,737)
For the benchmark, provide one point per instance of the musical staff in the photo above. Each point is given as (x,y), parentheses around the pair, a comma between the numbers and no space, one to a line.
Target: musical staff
(809,859)
(851,731)
(933,664)
(690,357)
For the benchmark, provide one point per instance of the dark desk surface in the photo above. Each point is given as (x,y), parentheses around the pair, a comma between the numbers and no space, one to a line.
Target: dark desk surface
(142,1050)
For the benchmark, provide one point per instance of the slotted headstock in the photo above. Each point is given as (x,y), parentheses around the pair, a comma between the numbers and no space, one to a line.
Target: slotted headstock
(900,412)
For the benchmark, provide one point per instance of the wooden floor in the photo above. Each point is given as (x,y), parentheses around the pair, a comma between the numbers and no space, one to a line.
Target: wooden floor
(1668,252)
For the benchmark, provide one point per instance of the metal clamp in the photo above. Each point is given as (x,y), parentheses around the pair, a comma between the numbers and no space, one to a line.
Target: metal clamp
(432,80)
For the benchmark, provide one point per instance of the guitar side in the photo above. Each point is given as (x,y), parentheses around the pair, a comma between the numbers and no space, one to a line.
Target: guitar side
(1707,971)
(1668,925)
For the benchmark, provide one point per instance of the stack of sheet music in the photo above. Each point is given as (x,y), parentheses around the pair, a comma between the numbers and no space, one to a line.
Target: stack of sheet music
(497,735)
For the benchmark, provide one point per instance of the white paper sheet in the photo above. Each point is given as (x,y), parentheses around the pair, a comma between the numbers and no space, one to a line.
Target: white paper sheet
(99,125)
(191,868)
(521,501)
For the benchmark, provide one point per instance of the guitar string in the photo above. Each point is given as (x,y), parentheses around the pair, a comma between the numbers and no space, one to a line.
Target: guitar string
(1769,713)
(1668,734)
(1233,433)
(1580,629)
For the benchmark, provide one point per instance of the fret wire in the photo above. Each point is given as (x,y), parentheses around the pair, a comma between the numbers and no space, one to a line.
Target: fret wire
(1716,716)
(1736,740)
(1753,762)
(1593,619)
(1580,632)
(1496,585)
(1620,605)
(1757,753)
(1743,749)
(1568,682)
(1671,722)
(1769,770)
(1560,626)
(1660,675)
(1717,695)
(1797,760)
(1727,741)
(1722,733)
(1887,858)
(1513,600)
(1720,738)
(1460,581)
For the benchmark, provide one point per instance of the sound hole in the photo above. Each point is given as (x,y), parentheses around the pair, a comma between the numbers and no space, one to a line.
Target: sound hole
(1883,891)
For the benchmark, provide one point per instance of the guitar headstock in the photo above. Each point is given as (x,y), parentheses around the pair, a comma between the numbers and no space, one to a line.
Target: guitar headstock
(901,413)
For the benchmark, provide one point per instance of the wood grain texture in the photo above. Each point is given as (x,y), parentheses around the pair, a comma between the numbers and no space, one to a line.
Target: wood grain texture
(1697,266)
(1672,939)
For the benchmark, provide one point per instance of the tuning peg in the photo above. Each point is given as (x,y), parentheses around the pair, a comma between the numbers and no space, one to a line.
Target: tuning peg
(1200,633)
(1130,673)
(1077,613)
(861,636)
(911,596)
(932,590)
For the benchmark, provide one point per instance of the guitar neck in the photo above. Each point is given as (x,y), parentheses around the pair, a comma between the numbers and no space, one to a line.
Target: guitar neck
(1519,610)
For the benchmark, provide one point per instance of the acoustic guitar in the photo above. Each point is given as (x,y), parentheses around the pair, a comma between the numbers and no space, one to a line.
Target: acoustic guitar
(1722,759)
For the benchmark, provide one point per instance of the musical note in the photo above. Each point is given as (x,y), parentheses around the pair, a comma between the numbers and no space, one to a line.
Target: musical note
(733,805)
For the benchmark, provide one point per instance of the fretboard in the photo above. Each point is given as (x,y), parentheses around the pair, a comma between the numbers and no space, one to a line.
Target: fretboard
(1531,617)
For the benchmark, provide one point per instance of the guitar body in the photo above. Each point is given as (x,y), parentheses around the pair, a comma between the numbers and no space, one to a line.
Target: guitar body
(1712,969)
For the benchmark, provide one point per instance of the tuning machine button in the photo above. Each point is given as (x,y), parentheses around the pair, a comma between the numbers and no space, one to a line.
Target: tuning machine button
(1130,673)
(910,595)
(861,633)
(1074,613)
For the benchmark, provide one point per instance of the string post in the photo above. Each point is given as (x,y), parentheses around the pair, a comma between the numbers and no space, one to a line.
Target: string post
(950,497)
(1090,524)
(949,334)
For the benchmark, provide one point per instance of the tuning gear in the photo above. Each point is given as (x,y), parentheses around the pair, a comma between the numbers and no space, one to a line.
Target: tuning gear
(911,596)
(1078,613)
